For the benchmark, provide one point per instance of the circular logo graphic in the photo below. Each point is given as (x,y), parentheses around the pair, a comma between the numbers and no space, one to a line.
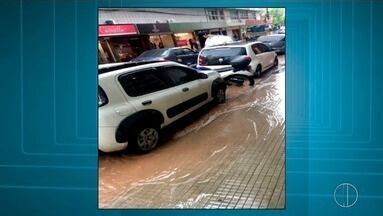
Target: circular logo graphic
(345,195)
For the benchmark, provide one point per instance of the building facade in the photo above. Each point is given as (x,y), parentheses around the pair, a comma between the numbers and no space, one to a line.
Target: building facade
(166,27)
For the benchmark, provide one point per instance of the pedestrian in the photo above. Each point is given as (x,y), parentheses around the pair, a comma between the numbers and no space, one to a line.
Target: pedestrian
(153,45)
(191,44)
(244,36)
(197,44)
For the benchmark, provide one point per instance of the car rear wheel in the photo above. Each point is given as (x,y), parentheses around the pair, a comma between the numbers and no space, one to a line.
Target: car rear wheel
(144,138)
(275,64)
(220,96)
(258,71)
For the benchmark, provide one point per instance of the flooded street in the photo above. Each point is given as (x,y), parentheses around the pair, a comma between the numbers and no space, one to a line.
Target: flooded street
(227,156)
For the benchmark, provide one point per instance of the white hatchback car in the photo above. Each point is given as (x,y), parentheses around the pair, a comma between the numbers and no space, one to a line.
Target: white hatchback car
(219,57)
(137,99)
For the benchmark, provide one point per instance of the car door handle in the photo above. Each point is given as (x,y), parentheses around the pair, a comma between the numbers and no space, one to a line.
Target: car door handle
(147,102)
(185,89)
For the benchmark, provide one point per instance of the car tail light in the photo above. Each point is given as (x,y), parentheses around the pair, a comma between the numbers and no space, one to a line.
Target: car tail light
(249,66)
(102,98)
(202,60)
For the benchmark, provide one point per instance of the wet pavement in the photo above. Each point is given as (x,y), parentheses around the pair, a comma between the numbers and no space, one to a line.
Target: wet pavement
(226,156)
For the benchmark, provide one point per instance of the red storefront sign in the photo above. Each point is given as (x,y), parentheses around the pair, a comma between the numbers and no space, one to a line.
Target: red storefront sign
(182,43)
(121,29)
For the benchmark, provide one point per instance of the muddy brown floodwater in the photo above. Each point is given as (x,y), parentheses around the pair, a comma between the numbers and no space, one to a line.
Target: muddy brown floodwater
(227,156)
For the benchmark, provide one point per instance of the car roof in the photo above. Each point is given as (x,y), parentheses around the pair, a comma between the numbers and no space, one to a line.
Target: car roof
(105,68)
(143,65)
(109,65)
(166,48)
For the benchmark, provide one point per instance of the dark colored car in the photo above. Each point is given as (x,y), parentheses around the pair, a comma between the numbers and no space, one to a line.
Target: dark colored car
(181,55)
(277,42)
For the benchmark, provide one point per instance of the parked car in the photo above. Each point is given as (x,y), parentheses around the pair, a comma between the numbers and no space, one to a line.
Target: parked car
(216,40)
(220,58)
(276,42)
(184,56)
(137,100)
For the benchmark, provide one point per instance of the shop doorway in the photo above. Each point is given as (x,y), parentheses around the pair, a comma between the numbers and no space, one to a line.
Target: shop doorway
(162,41)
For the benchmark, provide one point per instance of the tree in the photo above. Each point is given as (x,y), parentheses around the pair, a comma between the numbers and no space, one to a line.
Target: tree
(278,16)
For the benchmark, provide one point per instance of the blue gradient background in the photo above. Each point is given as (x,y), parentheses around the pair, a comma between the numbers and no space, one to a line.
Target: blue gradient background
(48,150)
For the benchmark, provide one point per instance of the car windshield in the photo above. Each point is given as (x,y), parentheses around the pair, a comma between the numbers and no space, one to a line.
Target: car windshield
(222,56)
(155,53)
(271,38)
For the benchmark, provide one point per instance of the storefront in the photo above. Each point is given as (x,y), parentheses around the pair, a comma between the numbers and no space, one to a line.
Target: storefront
(234,32)
(198,31)
(120,42)
(218,31)
(159,34)
(201,36)
(182,39)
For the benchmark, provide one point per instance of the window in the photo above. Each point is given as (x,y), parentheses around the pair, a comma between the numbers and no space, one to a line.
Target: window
(143,82)
(179,75)
(221,56)
(178,52)
(254,15)
(264,48)
(234,15)
(256,49)
(260,48)
(215,15)
(243,15)
(188,52)
(220,12)
(102,98)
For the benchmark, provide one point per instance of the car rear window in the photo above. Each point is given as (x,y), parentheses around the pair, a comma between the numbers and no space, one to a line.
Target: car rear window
(222,56)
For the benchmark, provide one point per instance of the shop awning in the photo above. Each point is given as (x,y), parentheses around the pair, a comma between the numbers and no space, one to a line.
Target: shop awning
(114,30)
(189,27)
(153,28)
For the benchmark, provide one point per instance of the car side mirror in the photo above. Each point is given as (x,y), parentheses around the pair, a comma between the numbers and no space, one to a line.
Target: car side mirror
(240,63)
(202,76)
